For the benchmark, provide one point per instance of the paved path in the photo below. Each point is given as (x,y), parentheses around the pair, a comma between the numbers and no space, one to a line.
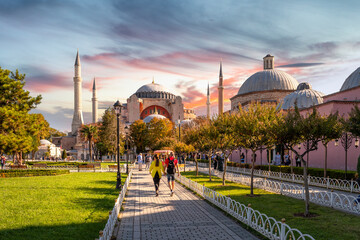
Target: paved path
(182,216)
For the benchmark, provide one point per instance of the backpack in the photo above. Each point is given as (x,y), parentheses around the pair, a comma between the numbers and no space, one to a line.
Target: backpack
(171,166)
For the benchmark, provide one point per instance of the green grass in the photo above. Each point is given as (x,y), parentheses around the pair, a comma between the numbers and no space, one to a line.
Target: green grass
(71,206)
(329,224)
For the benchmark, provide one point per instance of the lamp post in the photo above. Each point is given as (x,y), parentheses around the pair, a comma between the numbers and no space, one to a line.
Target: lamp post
(117,107)
(127,148)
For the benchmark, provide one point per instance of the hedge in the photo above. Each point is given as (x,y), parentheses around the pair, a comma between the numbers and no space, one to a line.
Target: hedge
(57,163)
(30,173)
(317,172)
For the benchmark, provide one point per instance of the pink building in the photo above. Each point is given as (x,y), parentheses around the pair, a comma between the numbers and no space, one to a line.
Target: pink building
(305,98)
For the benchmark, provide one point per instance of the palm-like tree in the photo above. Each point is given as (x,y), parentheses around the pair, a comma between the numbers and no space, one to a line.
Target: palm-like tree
(88,133)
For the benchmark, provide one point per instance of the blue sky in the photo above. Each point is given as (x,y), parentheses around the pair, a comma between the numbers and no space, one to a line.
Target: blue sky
(124,44)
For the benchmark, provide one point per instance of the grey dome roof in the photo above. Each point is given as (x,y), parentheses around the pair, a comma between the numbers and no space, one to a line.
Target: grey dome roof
(152,116)
(352,81)
(152,87)
(45,142)
(154,90)
(304,97)
(268,79)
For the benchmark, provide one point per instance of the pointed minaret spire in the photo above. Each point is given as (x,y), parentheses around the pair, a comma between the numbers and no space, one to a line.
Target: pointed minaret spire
(78,116)
(221,91)
(208,103)
(94,104)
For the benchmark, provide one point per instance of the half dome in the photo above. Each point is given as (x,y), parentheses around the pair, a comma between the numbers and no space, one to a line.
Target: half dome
(152,116)
(352,81)
(303,97)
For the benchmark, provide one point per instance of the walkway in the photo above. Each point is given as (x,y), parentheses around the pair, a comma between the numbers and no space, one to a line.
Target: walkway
(182,216)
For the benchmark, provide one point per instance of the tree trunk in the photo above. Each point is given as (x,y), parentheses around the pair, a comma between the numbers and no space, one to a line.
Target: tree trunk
(224,173)
(306,186)
(196,163)
(90,150)
(252,174)
(209,156)
(325,167)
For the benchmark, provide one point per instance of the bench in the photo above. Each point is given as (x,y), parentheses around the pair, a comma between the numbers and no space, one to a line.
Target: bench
(39,165)
(112,167)
(86,167)
(18,166)
(97,165)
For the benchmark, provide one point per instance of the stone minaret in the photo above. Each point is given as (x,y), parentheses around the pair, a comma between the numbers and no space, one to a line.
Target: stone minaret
(94,104)
(208,103)
(221,91)
(268,62)
(78,116)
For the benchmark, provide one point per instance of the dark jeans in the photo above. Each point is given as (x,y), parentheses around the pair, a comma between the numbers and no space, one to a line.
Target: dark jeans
(298,164)
(156,181)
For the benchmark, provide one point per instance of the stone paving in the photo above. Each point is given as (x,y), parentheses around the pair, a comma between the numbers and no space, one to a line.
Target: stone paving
(182,216)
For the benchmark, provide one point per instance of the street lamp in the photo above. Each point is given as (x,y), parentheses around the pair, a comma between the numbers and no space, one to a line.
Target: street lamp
(117,107)
(127,148)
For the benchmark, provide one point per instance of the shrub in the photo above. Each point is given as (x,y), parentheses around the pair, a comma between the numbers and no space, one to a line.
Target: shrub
(31,173)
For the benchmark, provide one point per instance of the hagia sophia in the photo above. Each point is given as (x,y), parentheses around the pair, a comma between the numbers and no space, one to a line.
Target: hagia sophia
(267,86)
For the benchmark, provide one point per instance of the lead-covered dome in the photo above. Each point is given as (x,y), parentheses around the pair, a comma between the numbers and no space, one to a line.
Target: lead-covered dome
(268,79)
(154,90)
(303,97)
(352,81)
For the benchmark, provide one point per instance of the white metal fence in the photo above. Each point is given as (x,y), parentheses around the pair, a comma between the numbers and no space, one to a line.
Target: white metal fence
(322,197)
(329,183)
(265,225)
(106,234)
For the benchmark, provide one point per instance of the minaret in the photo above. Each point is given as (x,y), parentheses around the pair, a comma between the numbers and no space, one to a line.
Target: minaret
(221,91)
(208,103)
(94,104)
(78,116)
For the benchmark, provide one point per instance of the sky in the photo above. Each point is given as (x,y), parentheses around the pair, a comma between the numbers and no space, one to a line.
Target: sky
(125,44)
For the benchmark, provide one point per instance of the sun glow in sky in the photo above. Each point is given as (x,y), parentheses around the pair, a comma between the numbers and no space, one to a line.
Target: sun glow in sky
(124,44)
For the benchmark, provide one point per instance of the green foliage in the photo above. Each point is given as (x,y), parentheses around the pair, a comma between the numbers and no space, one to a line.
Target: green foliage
(63,154)
(159,134)
(89,133)
(353,123)
(54,133)
(138,134)
(107,133)
(30,173)
(69,206)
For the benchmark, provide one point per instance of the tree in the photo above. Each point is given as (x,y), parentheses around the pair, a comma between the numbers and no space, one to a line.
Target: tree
(39,129)
(107,133)
(139,134)
(64,155)
(332,130)
(255,127)
(353,125)
(223,137)
(296,129)
(159,133)
(54,133)
(89,133)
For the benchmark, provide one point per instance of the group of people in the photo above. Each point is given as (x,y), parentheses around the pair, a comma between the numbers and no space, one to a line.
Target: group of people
(157,168)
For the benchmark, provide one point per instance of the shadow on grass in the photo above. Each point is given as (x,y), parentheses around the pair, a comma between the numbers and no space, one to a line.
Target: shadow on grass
(60,232)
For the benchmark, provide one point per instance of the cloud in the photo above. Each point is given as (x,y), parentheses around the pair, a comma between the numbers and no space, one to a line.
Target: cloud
(299,65)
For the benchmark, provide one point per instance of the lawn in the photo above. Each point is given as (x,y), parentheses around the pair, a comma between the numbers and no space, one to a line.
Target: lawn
(70,206)
(329,224)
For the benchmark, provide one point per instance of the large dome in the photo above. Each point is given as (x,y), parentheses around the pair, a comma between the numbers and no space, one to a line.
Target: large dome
(303,97)
(352,81)
(268,79)
(154,90)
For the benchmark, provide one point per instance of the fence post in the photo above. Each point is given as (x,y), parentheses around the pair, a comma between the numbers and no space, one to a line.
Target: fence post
(327,182)
(293,177)
(331,197)
(282,231)
(228,204)
(203,191)
(249,214)
(351,185)
(281,188)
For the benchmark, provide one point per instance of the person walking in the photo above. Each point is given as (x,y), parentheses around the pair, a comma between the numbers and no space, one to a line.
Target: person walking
(156,169)
(298,161)
(148,161)
(171,166)
(140,161)
(277,159)
(2,161)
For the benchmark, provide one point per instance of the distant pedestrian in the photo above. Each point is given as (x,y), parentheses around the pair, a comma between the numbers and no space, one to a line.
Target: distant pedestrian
(148,161)
(156,169)
(140,161)
(171,166)
(287,159)
(242,158)
(298,161)
(357,178)
(2,161)
(277,159)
